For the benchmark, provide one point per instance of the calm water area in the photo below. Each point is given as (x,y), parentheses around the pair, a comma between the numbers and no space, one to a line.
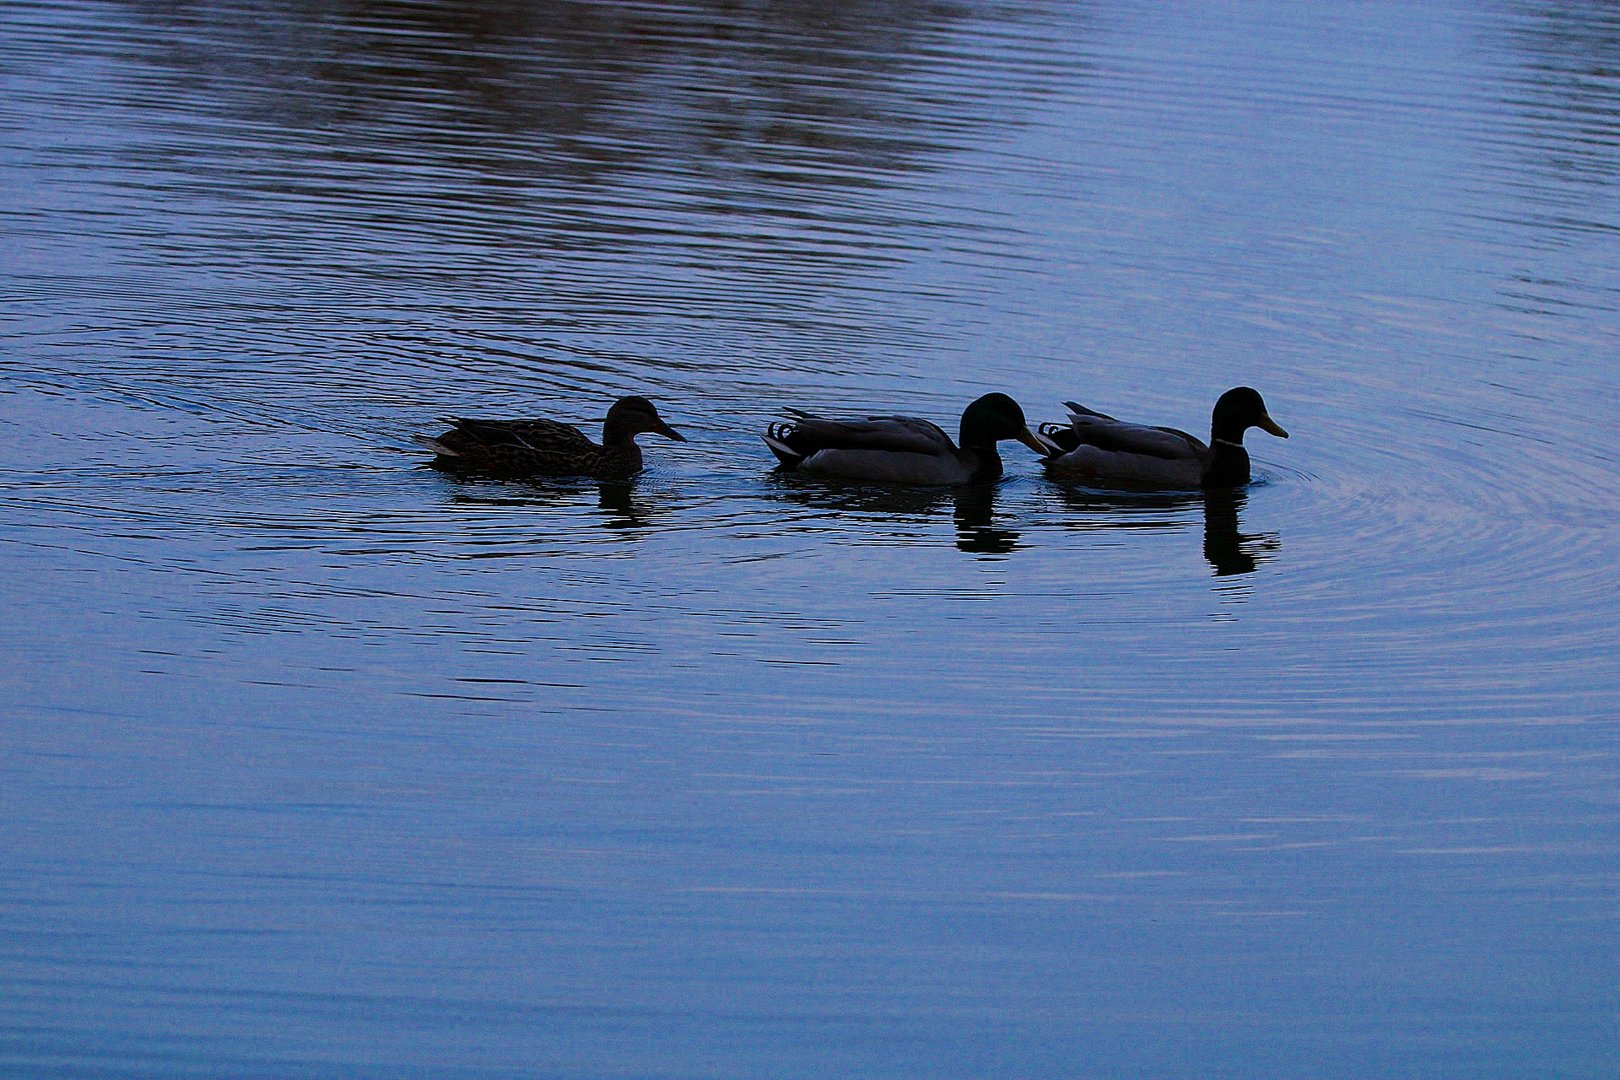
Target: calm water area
(315,762)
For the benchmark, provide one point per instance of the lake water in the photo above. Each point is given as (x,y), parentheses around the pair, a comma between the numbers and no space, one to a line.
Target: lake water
(316,763)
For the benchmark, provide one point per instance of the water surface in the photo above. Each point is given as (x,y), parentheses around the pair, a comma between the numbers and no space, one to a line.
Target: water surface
(319,763)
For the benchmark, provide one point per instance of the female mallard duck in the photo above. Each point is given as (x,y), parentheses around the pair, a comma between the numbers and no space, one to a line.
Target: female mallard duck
(517,448)
(902,449)
(1096,449)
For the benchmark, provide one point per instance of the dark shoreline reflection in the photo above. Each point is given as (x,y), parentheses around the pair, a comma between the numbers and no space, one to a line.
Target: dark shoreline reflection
(1228,550)
(565,96)
(1556,135)
(973,508)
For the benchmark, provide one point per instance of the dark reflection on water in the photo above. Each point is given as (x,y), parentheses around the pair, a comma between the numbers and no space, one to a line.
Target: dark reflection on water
(692,113)
(629,514)
(1564,100)
(319,763)
(1557,145)
(625,510)
(977,530)
(565,71)
(901,514)
(1228,550)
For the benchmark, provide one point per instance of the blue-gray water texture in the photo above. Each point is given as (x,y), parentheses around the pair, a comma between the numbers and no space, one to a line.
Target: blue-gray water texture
(318,763)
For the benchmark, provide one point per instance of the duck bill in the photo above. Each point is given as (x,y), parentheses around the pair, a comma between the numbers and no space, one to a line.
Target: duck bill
(670,433)
(1270,426)
(1035,443)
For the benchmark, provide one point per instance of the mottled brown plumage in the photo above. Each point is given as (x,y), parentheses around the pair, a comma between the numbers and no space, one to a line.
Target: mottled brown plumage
(541,447)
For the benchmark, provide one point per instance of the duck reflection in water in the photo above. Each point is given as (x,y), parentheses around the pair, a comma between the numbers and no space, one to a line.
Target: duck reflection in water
(625,508)
(907,513)
(976,530)
(1228,550)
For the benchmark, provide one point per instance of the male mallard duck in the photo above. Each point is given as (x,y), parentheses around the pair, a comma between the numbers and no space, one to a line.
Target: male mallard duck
(514,448)
(1096,449)
(902,449)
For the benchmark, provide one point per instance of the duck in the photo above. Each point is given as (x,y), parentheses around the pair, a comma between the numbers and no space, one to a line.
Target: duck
(1097,450)
(902,449)
(540,447)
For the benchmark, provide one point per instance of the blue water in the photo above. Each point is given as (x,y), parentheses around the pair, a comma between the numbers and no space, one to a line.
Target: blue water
(317,763)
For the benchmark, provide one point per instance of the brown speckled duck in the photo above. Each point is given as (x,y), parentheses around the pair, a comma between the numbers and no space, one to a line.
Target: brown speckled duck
(540,447)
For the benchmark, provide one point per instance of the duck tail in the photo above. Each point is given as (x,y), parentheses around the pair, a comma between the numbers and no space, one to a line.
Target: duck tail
(434,445)
(775,437)
(1057,438)
(1076,409)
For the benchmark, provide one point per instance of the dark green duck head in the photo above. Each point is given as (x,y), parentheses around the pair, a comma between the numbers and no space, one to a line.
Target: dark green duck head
(991,419)
(631,416)
(1238,410)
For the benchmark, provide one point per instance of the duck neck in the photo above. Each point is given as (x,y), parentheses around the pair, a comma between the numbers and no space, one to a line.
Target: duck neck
(620,460)
(1228,464)
(986,462)
(970,435)
(617,434)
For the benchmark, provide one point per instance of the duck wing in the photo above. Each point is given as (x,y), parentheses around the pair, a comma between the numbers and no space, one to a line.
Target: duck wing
(887,434)
(1095,429)
(545,436)
(515,448)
